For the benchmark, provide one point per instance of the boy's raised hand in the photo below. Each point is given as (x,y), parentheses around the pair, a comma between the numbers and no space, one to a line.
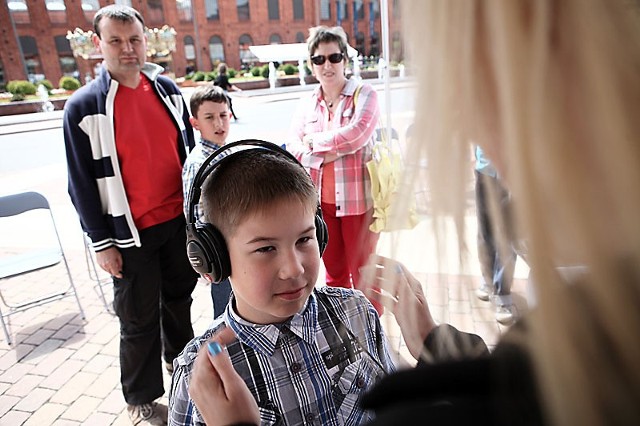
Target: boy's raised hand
(217,390)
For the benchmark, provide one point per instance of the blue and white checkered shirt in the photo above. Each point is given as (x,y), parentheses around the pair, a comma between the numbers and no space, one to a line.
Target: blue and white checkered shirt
(311,370)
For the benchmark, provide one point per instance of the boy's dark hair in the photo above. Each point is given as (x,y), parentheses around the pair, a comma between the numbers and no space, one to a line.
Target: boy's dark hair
(323,34)
(207,93)
(252,181)
(117,12)
(222,68)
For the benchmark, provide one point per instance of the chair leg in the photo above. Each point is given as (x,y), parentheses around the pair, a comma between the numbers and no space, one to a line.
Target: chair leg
(73,287)
(4,327)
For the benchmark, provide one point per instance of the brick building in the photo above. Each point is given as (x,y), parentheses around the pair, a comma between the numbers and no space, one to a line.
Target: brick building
(34,44)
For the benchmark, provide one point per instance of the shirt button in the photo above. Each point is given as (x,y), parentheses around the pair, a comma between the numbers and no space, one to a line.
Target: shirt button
(295,367)
(309,418)
(360,383)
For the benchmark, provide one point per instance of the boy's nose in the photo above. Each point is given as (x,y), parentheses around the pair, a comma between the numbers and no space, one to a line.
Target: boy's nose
(291,266)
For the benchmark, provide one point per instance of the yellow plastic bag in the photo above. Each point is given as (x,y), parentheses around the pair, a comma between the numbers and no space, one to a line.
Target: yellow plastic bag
(389,213)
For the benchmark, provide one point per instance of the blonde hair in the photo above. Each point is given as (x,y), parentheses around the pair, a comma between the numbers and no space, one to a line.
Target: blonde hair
(554,87)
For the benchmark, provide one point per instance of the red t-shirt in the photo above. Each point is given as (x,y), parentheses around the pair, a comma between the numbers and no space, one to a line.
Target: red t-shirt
(147,144)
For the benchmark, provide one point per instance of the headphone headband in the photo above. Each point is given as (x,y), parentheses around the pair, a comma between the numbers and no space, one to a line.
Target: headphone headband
(206,247)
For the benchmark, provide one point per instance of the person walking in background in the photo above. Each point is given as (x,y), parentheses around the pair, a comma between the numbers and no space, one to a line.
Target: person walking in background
(222,80)
(332,136)
(496,251)
(210,116)
(127,135)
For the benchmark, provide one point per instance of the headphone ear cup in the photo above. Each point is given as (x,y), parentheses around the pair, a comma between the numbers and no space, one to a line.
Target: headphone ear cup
(207,251)
(322,233)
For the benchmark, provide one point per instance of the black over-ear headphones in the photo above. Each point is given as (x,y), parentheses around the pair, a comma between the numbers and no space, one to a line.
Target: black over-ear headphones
(206,247)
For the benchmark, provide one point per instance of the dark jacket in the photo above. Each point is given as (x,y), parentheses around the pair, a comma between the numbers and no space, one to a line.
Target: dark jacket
(95,183)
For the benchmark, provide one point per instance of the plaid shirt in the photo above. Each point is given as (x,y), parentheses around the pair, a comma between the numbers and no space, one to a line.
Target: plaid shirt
(350,137)
(196,157)
(313,369)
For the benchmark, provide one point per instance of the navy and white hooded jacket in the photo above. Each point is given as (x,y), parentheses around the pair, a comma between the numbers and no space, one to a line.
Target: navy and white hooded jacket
(95,181)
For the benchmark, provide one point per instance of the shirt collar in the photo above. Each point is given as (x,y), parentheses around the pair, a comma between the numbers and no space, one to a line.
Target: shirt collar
(263,338)
(211,146)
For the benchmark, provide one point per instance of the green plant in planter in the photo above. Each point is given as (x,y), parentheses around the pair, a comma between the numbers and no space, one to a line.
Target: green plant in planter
(20,89)
(289,69)
(198,76)
(232,73)
(47,84)
(255,71)
(264,71)
(69,83)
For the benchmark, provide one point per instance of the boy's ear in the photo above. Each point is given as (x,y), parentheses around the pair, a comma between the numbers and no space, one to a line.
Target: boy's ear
(194,122)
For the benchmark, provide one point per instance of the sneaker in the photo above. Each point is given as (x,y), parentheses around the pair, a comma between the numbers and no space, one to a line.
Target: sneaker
(506,314)
(484,292)
(169,367)
(148,414)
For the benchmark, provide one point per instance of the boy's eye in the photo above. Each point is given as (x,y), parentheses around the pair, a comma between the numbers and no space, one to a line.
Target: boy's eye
(265,249)
(304,240)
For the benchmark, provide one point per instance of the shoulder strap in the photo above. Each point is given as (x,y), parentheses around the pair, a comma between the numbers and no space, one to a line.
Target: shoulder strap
(356,93)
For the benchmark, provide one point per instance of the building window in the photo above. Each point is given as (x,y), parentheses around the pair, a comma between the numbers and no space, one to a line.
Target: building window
(274,10)
(57,11)
(275,39)
(189,48)
(360,42)
(2,80)
(211,9)
(155,14)
(245,54)
(359,8)
(374,46)
(31,58)
(375,8)
(19,11)
(184,10)
(298,10)
(216,50)
(124,2)
(325,10)
(68,64)
(300,37)
(343,10)
(243,10)
(90,7)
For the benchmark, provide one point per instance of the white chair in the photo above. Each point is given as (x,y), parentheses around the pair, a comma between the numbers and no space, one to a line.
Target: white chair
(96,275)
(29,260)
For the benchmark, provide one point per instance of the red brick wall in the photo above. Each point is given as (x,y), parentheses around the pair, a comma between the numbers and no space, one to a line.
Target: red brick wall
(228,28)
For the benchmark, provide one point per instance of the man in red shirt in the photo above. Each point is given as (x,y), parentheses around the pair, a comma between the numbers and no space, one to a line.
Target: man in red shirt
(127,135)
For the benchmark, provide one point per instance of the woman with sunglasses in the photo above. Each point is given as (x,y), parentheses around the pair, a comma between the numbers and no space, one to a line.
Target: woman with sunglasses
(332,132)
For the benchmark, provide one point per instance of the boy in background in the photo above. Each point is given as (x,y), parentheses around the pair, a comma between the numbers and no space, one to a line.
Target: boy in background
(210,115)
(307,355)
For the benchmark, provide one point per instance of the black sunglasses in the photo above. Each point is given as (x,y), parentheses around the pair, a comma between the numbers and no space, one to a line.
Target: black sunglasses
(334,58)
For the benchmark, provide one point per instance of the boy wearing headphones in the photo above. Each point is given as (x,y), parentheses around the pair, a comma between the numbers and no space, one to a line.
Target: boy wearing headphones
(306,354)
(210,115)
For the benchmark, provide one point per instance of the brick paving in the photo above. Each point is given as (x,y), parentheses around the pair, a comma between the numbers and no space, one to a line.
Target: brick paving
(63,370)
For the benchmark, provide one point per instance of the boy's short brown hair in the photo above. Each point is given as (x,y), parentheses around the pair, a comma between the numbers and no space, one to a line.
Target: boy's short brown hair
(202,94)
(250,181)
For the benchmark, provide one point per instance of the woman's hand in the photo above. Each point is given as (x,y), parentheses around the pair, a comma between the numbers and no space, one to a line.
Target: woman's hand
(217,390)
(390,283)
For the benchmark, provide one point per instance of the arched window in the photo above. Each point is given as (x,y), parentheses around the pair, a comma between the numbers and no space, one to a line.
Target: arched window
(216,50)
(396,47)
(300,38)
(189,48)
(31,57)
(275,39)
(246,56)
(68,64)
(374,44)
